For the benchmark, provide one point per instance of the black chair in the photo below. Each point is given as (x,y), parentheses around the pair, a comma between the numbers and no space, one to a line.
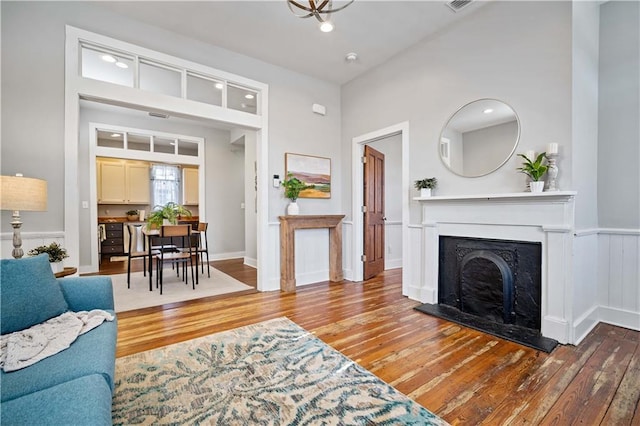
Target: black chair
(134,253)
(175,258)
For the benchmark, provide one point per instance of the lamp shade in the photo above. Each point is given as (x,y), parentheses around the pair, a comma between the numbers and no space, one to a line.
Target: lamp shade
(22,193)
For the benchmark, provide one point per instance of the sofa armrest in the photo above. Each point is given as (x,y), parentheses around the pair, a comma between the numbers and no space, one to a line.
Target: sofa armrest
(87,293)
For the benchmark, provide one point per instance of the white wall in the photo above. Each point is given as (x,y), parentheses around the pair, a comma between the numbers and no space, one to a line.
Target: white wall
(519,52)
(584,119)
(619,112)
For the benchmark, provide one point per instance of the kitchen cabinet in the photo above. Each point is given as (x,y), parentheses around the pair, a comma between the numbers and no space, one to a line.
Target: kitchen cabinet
(123,182)
(190,187)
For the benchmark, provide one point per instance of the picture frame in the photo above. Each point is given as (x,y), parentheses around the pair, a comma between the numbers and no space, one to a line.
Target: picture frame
(311,170)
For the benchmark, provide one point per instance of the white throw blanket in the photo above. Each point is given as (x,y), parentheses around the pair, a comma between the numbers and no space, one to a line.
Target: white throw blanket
(26,347)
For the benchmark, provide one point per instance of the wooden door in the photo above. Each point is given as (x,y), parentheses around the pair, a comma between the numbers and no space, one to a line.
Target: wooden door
(374,212)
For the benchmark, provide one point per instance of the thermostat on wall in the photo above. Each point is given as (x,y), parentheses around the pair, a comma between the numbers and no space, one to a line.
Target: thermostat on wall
(319,109)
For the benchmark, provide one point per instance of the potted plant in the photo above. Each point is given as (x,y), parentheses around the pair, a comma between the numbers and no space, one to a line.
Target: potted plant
(56,255)
(292,188)
(535,170)
(426,185)
(167,214)
(133,215)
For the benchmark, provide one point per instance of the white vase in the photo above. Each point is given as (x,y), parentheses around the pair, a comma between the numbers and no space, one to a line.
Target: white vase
(293,209)
(425,192)
(536,186)
(56,267)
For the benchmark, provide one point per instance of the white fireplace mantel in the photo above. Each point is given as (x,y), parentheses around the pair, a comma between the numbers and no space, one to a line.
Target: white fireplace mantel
(548,218)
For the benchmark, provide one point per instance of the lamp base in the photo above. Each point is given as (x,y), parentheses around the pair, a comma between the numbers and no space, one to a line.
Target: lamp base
(17,251)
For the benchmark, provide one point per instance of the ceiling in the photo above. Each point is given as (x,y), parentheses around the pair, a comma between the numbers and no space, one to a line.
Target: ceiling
(267,30)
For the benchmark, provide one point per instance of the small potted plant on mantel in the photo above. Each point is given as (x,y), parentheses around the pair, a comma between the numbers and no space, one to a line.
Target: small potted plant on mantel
(292,188)
(426,185)
(133,215)
(535,170)
(56,254)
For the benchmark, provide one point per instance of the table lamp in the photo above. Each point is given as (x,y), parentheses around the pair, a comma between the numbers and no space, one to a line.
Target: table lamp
(21,193)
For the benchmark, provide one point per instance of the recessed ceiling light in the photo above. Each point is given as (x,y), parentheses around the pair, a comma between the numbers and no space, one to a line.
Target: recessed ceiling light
(219,86)
(121,65)
(108,58)
(326,27)
(249,96)
(488,111)
(115,135)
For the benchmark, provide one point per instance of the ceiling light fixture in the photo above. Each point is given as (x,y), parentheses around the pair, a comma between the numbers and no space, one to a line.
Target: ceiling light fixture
(219,86)
(488,111)
(115,135)
(319,9)
(121,65)
(249,96)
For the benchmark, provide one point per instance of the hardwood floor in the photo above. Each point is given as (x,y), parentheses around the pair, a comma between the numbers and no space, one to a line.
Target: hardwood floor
(464,376)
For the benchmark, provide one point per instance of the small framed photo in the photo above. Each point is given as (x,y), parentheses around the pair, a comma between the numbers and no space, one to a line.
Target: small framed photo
(311,170)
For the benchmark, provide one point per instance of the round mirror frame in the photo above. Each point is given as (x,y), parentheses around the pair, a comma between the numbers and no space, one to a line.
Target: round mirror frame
(515,144)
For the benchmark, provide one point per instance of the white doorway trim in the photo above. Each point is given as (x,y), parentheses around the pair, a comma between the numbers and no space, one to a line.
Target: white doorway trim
(357,152)
(77,87)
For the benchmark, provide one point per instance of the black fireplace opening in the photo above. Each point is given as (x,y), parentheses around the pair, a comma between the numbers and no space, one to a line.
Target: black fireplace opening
(494,286)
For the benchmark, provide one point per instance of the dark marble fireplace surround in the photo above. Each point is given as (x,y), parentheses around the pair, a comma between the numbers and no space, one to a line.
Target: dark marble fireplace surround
(493,286)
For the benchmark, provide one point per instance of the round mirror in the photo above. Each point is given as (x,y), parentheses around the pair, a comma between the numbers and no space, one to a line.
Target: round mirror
(479,138)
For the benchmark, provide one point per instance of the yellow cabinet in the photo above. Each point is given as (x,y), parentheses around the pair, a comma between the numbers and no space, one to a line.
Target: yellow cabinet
(123,182)
(190,188)
(138,183)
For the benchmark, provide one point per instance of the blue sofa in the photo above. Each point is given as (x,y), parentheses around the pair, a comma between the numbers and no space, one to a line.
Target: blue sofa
(75,386)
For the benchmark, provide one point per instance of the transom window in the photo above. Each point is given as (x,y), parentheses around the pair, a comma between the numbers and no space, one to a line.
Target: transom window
(131,70)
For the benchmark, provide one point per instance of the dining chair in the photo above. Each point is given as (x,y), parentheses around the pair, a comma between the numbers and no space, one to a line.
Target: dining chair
(136,250)
(176,258)
(203,246)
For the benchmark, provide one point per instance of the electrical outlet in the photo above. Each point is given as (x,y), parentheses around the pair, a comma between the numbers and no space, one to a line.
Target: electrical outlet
(85,204)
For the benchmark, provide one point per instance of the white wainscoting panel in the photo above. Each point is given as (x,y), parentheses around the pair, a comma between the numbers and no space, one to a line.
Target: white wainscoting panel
(393,242)
(29,240)
(585,267)
(619,277)
(271,265)
(347,249)
(413,287)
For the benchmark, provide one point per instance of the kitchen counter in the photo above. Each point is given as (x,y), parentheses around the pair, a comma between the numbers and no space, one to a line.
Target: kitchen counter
(123,219)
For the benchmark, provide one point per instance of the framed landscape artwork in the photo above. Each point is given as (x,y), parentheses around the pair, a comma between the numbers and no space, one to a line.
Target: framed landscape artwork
(312,171)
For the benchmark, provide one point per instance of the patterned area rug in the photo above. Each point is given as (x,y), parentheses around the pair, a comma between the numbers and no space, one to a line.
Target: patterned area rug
(270,373)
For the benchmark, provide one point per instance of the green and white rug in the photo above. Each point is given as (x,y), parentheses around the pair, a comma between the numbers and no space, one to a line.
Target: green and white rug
(270,373)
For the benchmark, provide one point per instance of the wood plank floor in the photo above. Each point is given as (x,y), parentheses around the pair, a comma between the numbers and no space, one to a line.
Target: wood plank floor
(464,376)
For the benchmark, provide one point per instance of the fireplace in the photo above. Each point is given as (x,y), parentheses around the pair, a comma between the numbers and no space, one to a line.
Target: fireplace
(497,280)
(547,219)
(493,286)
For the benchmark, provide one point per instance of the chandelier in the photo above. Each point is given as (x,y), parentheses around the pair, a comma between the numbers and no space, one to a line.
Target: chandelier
(320,9)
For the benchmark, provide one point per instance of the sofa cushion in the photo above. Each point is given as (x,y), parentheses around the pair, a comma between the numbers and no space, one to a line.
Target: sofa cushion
(30,293)
(83,401)
(92,353)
